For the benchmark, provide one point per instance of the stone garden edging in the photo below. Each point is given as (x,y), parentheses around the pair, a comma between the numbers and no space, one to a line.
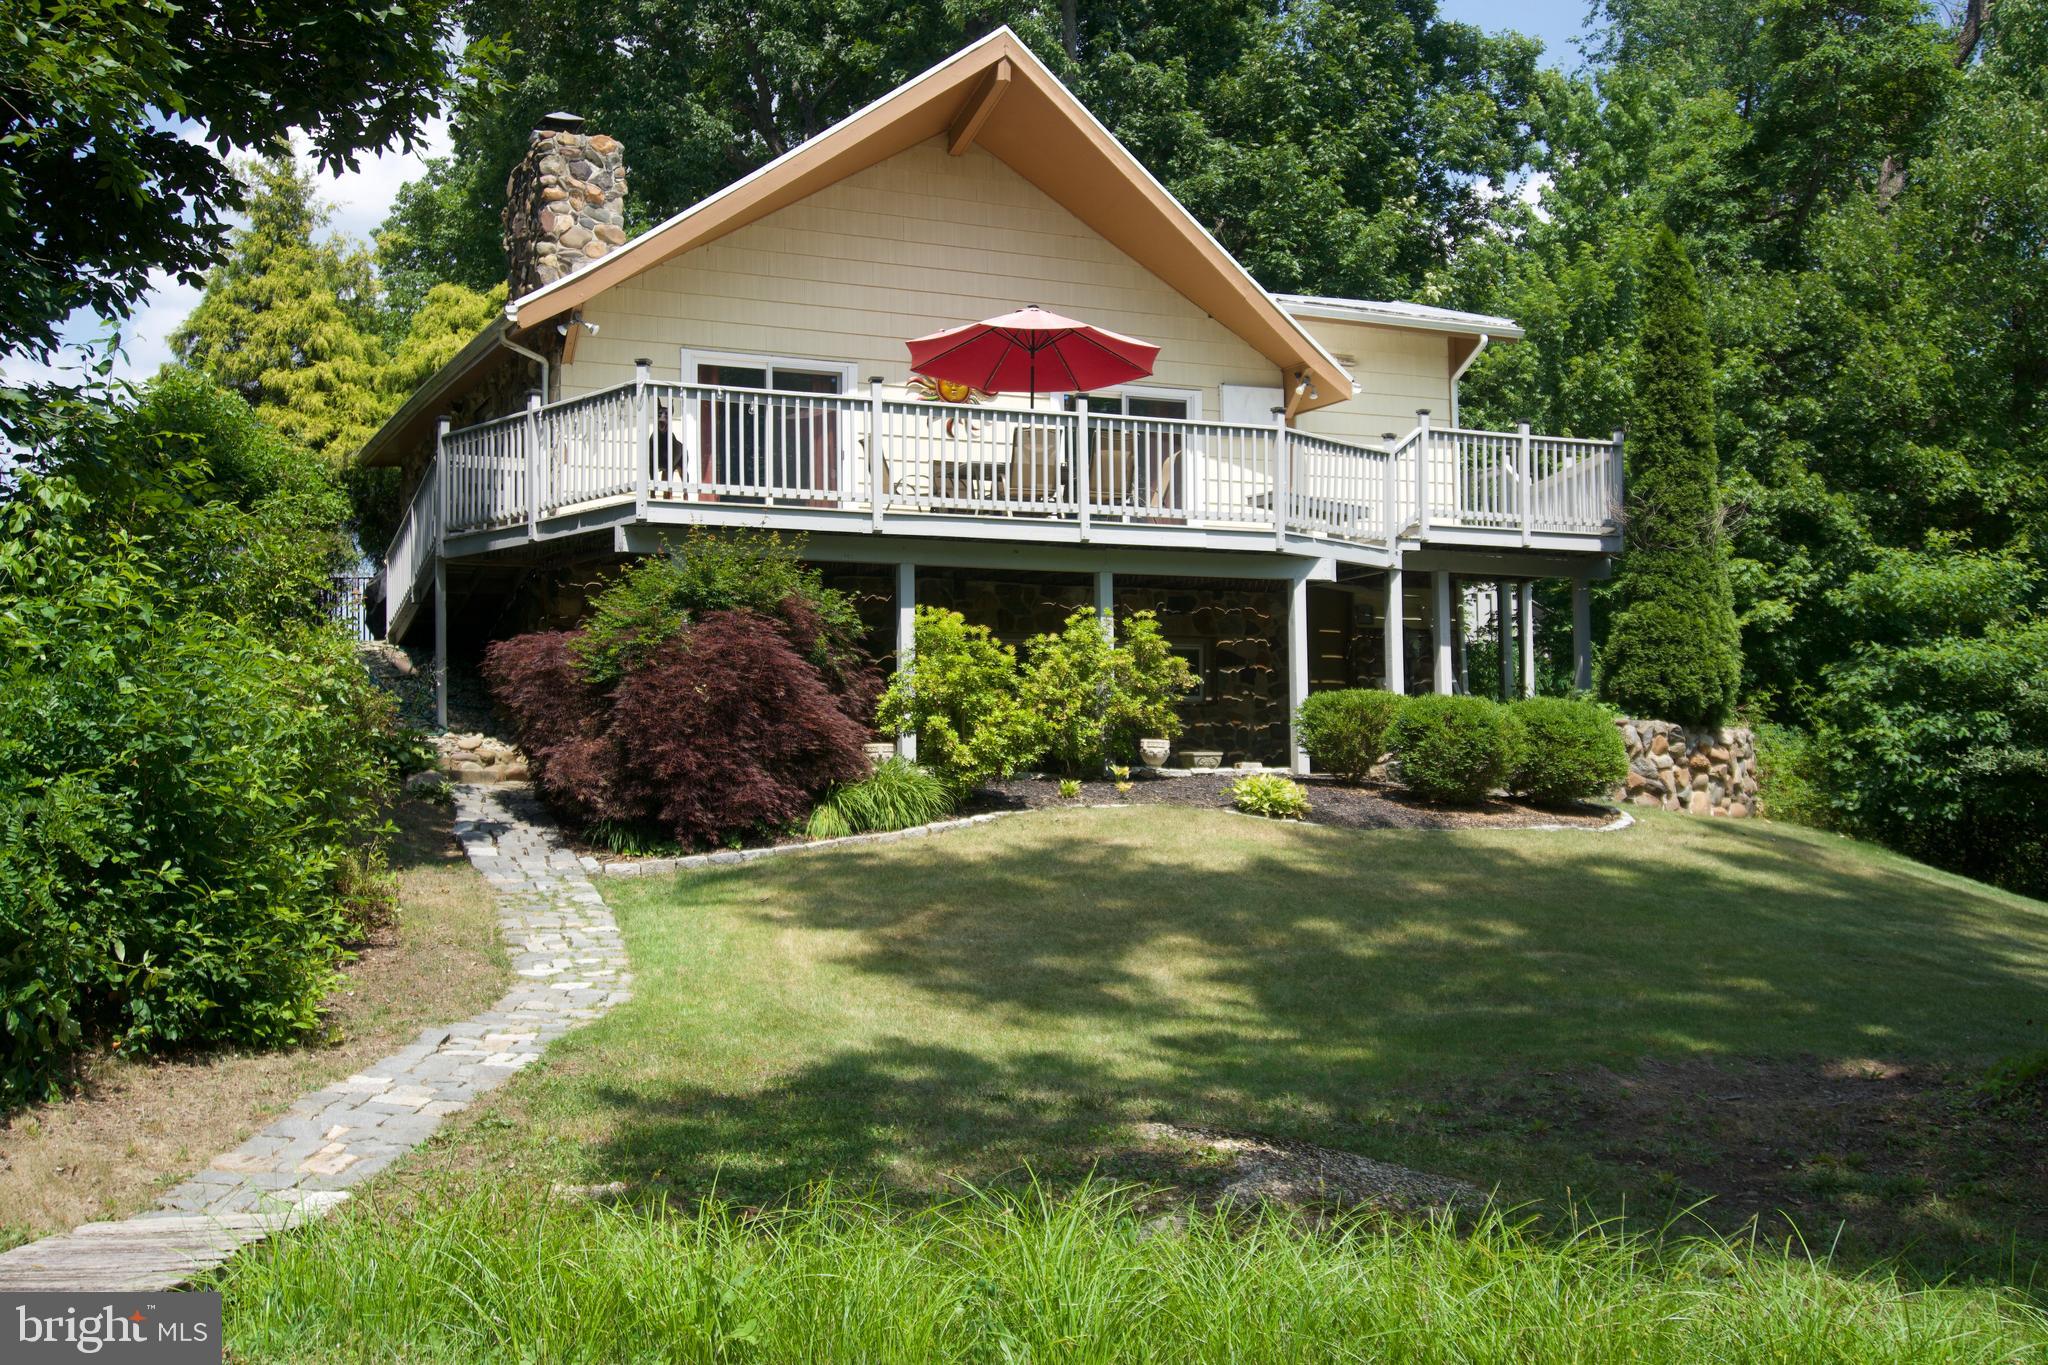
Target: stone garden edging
(732,857)
(728,857)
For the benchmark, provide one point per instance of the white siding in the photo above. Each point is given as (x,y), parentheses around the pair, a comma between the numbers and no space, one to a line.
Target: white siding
(914,244)
(1397,372)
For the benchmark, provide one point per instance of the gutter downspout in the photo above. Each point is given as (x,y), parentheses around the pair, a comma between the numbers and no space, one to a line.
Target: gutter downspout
(547,394)
(1456,374)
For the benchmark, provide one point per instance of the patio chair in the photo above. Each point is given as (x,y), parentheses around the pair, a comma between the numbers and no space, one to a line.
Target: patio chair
(1038,466)
(1112,469)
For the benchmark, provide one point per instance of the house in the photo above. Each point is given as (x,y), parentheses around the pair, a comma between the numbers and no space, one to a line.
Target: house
(1291,490)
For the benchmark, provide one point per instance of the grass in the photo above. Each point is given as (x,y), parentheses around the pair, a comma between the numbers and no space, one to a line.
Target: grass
(1627,1019)
(1026,1276)
(135,1126)
(1773,1035)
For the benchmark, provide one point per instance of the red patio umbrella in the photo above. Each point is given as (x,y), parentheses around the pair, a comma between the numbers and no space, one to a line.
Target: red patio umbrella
(1032,351)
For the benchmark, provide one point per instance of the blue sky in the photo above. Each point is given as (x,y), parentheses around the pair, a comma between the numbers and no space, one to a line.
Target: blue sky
(1556,22)
(360,199)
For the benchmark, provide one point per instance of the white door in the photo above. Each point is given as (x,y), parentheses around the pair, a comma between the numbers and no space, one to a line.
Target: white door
(1250,403)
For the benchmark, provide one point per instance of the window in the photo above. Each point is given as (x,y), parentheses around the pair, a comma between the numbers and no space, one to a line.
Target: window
(753,444)
(1144,403)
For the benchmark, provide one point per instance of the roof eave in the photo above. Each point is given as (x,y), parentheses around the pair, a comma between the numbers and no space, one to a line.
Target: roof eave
(386,445)
(1498,329)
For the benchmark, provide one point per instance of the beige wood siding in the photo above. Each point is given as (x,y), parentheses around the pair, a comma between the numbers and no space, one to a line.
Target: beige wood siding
(914,244)
(1397,372)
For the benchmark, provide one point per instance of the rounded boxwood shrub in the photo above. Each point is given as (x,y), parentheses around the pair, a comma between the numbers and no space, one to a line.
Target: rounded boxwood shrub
(1344,732)
(1565,750)
(1453,748)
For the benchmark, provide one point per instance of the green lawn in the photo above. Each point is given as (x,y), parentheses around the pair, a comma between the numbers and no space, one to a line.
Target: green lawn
(1785,1022)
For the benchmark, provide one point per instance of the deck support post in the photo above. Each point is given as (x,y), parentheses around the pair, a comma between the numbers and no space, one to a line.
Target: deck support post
(1443,629)
(1105,603)
(1461,645)
(440,641)
(439,540)
(906,642)
(1395,659)
(1525,625)
(1297,667)
(1582,636)
(1504,628)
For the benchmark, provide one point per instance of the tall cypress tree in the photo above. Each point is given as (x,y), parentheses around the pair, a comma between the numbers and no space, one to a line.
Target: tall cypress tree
(1673,651)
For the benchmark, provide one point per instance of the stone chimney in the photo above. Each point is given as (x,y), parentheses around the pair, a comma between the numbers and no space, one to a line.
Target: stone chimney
(565,203)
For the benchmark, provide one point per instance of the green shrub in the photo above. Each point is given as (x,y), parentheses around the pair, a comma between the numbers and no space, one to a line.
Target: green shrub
(1453,748)
(1070,788)
(1673,650)
(1940,750)
(897,795)
(960,698)
(1270,795)
(1565,750)
(190,784)
(1096,699)
(632,838)
(1345,731)
(651,601)
(1787,776)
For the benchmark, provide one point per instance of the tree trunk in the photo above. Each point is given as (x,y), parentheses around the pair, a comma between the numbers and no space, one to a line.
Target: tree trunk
(1891,177)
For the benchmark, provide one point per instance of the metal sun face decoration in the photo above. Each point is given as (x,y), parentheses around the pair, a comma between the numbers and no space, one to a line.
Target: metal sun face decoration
(930,390)
(944,391)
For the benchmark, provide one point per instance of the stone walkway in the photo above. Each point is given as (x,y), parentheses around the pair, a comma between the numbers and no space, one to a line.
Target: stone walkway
(569,967)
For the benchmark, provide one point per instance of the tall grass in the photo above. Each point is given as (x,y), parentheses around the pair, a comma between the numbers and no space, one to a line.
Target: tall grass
(497,1274)
(896,795)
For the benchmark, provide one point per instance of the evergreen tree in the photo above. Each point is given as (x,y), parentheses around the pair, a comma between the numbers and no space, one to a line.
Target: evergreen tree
(446,319)
(289,322)
(1672,649)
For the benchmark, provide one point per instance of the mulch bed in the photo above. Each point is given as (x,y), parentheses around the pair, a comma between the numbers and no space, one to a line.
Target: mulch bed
(1369,807)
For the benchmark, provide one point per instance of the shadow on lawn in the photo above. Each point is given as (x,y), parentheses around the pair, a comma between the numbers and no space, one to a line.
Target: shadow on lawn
(1480,1015)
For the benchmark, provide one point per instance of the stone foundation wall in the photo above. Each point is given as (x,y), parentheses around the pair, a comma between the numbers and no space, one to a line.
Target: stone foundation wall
(1242,629)
(1700,772)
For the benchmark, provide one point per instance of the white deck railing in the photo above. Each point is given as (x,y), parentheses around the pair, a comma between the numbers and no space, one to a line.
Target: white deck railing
(408,563)
(665,442)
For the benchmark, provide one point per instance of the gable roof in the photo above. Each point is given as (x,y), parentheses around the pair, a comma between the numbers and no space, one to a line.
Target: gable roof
(997,95)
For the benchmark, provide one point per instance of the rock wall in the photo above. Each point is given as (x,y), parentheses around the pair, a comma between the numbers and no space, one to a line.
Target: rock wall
(1700,772)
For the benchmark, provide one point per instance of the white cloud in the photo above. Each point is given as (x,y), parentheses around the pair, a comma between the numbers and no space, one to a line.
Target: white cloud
(360,200)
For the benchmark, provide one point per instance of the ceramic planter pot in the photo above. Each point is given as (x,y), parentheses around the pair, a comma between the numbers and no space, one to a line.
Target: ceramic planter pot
(1153,752)
(1203,758)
